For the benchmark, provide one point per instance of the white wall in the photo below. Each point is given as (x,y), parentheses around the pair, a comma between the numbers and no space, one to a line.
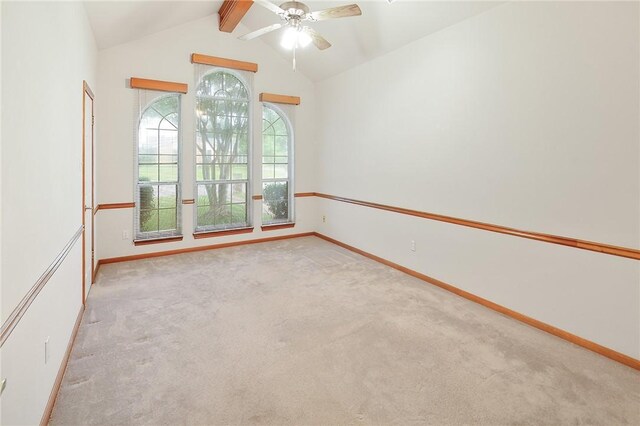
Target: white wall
(166,56)
(1,314)
(47,51)
(524,116)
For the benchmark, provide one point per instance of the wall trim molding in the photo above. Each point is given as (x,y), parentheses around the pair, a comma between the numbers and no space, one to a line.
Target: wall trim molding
(16,315)
(111,206)
(199,248)
(630,253)
(547,238)
(565,335)
(63,368)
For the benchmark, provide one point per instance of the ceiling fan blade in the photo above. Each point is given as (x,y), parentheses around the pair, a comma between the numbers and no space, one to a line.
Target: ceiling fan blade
(261,31)
(319,41)
(272,7)
(335,12)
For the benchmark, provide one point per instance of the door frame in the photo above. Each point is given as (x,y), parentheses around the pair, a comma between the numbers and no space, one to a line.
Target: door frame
(86,91)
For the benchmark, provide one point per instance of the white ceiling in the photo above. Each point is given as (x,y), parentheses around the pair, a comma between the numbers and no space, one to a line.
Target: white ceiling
(382,27)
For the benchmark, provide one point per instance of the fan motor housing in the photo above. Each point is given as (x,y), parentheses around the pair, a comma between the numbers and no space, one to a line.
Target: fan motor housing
(295,9)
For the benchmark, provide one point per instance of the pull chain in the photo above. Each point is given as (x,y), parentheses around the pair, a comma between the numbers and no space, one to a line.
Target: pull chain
(294,55)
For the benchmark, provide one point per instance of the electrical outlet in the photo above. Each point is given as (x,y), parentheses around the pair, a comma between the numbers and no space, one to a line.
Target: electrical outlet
(324,219)
(413,245)
(46,350)
(125,235)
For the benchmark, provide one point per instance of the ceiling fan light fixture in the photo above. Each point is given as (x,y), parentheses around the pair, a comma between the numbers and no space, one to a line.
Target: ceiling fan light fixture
(303,39)
(293,37)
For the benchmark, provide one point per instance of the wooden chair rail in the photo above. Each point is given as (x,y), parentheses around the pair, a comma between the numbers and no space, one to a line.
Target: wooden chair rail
(630,253)
(547,238)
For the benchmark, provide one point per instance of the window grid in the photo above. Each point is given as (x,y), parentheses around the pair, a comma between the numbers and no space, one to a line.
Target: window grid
(222,162)
(276,168)
(157,167)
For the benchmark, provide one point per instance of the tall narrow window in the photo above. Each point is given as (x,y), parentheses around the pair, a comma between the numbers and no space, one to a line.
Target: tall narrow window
(277,205)
(222,152)
(158,159)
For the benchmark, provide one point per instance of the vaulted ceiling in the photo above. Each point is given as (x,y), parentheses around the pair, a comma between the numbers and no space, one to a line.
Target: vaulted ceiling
(382,27)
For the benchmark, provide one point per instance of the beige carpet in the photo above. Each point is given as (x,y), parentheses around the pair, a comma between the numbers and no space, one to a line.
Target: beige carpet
(303,332)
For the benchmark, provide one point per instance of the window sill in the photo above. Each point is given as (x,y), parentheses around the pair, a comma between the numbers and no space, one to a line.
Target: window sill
(222,233)
(157,240)
(277,226)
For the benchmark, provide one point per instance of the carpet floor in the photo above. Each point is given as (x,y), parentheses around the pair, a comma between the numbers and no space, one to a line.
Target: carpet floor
(304,332)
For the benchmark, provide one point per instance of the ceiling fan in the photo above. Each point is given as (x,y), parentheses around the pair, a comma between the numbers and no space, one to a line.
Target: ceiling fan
(294,13)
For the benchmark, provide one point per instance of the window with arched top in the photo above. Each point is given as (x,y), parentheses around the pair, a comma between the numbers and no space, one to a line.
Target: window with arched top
(222,152)
(158,158)
(277,166)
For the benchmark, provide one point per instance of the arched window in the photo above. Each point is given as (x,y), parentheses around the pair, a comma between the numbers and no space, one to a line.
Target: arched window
(222,152)
(158,183)
(277,167)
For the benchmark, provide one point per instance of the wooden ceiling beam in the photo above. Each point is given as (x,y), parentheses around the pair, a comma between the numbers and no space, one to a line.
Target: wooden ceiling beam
(231,13)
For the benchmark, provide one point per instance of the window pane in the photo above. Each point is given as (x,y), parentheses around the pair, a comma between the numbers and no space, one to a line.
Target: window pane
(153,159)
(167,159)
(239,214)
(167,196)
(167,219)
(223,215)
(223,172)
(168,142)
(148,173)
(148,220)
(268,146)
(279,128)
(148,197)
(275,191)
(222,205)
(281,171)
(168,172)
(267,171)
(267,216)
(275,211)
(239,193)
(275,204)
(239,171)
(281,145)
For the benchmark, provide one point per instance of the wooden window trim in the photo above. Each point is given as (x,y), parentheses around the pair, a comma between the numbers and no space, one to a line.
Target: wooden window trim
(157,240)
(277,226)
(197,58)
(222,233)
(279,99)
(162,86)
